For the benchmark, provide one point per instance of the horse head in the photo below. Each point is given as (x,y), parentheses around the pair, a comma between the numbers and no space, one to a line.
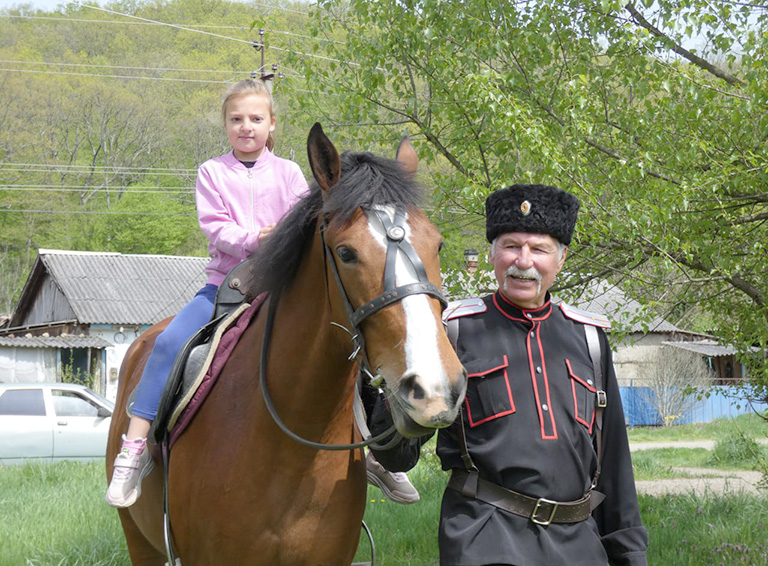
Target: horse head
(382,252)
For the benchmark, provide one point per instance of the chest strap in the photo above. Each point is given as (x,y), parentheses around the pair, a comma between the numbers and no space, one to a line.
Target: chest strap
(540,511)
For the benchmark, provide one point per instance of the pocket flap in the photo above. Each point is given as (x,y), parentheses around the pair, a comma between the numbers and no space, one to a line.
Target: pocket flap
(483,366)
(582,373)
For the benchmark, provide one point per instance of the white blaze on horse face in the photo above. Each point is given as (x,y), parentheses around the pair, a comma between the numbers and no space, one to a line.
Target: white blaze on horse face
(422,354)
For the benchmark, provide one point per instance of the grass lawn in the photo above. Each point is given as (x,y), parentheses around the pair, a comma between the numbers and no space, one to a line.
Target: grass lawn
(55,515)
(751,424)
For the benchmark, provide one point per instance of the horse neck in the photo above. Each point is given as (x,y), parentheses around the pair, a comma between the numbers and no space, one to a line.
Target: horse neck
(309,357)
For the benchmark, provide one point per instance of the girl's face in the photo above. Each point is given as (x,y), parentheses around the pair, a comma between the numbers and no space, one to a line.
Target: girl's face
(249,121)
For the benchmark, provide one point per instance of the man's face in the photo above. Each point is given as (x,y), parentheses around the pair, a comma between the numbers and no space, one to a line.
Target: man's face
(525,266)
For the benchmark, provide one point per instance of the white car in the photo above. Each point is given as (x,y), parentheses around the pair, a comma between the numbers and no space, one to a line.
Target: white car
(52,422)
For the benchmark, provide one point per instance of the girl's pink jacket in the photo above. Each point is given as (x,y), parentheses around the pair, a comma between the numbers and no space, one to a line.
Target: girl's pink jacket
(234,203)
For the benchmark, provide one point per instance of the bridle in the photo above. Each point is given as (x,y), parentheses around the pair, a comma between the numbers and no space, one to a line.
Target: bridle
(396,245)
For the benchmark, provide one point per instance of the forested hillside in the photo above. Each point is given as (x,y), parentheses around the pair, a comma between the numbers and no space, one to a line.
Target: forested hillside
(104,119)
(654,113)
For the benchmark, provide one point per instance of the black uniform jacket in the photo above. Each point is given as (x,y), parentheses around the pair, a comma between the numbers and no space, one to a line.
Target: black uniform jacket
(529,418)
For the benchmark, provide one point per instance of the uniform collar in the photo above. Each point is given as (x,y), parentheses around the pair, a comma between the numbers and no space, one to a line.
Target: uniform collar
(511,310)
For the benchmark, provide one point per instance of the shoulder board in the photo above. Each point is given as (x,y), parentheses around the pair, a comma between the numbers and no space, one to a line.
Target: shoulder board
(464,307)
(585,317)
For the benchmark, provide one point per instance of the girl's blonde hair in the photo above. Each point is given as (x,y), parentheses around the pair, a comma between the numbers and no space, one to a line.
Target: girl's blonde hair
(246,87)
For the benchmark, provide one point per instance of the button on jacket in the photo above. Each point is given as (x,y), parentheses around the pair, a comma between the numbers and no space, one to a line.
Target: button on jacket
(529,418)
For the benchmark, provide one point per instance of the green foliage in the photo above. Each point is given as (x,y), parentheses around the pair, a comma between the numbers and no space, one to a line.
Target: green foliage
(738,449)
(105,118)
(662,140)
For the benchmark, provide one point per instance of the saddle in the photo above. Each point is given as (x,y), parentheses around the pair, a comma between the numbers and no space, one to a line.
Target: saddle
(180,399)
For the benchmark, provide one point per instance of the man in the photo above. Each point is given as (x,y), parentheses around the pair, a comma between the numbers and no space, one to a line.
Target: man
(527,486)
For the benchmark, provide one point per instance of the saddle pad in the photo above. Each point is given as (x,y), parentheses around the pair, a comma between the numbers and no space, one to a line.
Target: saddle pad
(223,343)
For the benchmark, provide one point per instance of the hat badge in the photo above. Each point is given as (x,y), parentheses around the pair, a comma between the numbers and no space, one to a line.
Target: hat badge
(525,207)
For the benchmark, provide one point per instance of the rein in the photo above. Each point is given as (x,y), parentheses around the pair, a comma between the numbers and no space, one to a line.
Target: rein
(396,243)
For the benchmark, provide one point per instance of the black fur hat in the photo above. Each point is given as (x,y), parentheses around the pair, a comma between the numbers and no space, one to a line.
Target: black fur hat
(539,209)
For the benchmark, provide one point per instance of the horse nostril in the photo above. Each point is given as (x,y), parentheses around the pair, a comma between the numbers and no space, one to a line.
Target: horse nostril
(410,385)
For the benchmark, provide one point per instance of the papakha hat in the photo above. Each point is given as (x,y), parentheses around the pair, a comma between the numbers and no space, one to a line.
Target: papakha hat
(539,209)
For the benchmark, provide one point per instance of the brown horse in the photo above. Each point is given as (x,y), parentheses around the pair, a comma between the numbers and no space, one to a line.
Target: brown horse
(241,491)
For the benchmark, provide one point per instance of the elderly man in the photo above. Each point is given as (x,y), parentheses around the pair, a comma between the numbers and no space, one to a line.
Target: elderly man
(540,466)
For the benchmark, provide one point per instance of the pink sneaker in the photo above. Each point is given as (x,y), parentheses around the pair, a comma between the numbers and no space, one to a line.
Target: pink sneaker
(132,464)
(395,485)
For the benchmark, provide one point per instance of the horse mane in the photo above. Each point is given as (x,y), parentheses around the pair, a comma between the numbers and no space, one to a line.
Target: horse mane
(366,181)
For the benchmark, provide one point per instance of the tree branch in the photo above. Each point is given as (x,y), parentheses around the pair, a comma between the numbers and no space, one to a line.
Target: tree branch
(680,50)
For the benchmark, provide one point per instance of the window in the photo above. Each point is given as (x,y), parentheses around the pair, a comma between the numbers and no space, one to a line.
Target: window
(24,402)
(71,404)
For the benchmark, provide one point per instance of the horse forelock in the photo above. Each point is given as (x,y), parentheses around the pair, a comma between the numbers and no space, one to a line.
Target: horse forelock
(366,181)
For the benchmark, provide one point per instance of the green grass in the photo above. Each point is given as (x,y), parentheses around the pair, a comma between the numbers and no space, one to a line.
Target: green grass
(55,515)
(751,424)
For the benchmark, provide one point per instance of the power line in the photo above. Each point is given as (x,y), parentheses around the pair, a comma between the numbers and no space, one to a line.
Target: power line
(80,189)
(152,23)
(138,77)
(74,168)
(92,65)
(116,213)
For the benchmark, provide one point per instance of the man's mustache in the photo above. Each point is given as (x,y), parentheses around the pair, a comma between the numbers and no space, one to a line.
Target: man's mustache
(530,273)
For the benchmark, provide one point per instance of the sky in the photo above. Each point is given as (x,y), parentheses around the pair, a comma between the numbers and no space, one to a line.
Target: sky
(48,5)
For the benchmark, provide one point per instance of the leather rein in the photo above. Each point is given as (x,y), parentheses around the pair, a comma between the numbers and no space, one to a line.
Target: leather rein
(396,244)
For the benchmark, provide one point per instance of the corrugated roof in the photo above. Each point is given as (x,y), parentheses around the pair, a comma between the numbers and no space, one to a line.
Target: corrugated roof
(705,348)
(131,289)
(54,342)
(600,297)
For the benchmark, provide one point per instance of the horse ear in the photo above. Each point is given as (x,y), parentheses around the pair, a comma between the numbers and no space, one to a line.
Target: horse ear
(406,155)
(323,158)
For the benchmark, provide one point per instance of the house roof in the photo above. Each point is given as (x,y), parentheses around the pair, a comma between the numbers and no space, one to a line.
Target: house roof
(600,297)
(708,348)
(64,342)
(113,288)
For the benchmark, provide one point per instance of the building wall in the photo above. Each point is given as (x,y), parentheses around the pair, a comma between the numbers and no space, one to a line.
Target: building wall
(20,365)
(121,337)
(50,304)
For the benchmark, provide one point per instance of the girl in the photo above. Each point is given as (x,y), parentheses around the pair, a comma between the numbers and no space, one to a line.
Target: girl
(240,197)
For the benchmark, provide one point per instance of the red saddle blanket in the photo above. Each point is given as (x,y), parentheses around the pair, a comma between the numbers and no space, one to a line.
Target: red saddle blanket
(226,345)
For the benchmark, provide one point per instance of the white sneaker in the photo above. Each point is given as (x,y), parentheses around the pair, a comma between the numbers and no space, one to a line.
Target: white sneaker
(125,487)
(395,485)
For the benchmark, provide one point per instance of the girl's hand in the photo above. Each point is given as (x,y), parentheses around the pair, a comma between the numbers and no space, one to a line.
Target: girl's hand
(266,231)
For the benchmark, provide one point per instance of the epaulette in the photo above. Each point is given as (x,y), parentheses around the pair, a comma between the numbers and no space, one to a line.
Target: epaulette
(464,307)
(585,317)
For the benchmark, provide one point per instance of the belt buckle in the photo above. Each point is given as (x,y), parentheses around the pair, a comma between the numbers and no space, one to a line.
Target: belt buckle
(534,514)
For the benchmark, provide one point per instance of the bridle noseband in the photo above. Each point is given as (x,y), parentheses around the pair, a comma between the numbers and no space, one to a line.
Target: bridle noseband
(396,244)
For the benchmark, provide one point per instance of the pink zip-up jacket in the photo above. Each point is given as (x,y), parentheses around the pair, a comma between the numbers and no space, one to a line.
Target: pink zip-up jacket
(235,202)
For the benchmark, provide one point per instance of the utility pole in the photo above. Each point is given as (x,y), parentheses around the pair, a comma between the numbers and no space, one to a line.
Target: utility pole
(260,46)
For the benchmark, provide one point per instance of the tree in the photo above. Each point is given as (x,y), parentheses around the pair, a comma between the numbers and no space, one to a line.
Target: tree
(674,382)
(654,114)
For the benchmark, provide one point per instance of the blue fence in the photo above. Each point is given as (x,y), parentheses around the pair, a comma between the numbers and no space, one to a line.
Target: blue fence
(638,411)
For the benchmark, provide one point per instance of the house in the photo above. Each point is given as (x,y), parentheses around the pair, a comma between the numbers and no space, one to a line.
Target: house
(79,311)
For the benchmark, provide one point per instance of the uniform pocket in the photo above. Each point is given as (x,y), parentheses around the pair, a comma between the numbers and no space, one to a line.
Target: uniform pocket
(584,392)
(489,395)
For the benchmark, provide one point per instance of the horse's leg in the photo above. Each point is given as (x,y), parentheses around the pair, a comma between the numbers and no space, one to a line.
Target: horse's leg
(142,553)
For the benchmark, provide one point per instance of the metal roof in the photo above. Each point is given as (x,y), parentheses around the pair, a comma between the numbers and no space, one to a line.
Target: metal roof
(600,297)
(708,348)
(131,289)
(54,342)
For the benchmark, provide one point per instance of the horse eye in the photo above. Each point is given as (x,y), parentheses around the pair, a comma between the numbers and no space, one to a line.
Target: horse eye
(440,246)
(346,255)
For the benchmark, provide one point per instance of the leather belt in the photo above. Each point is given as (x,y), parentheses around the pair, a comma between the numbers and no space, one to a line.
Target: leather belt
(540,511)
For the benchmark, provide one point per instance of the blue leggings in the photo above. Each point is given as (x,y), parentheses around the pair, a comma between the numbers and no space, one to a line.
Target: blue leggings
(167,346)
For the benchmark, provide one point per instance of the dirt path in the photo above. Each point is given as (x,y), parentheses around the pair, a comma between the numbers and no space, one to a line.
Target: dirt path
(702,481)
